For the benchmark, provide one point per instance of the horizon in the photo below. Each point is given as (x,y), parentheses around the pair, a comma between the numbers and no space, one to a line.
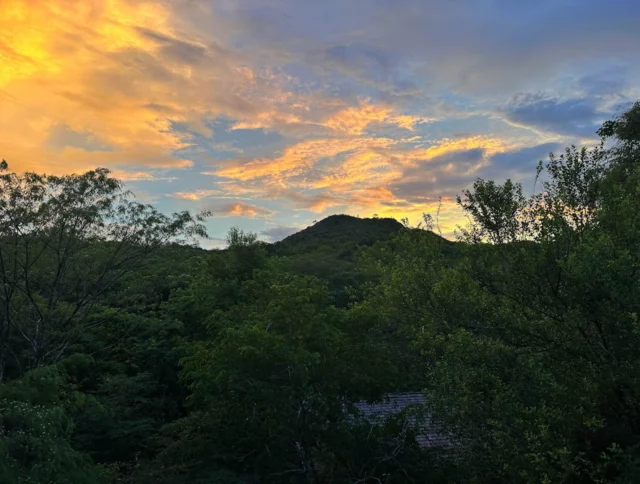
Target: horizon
(275,113)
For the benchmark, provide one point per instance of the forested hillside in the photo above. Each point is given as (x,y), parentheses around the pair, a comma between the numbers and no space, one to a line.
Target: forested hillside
(128,355)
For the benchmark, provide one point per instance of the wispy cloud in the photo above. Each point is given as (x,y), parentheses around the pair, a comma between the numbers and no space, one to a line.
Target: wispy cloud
(195,195)
(383,107)
(578,117)
(355,120)
(237,209)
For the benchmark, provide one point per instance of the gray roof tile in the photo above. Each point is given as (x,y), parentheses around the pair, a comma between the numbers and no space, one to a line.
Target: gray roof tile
(414,406)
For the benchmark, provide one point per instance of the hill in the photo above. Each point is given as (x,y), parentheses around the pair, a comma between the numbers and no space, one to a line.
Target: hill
(328,250)
(342,232)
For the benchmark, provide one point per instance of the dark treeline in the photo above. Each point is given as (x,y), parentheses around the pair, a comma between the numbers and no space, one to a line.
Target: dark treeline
(127,355)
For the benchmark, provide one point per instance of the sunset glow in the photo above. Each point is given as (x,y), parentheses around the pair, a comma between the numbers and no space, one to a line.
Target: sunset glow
(264,115)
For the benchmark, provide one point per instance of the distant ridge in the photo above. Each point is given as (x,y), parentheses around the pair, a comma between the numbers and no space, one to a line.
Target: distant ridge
(345,228)
(327,250)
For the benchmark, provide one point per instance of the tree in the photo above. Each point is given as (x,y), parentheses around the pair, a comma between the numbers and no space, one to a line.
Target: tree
(267,382)
(35,431)
(65,241)
(528,343)
(272,378)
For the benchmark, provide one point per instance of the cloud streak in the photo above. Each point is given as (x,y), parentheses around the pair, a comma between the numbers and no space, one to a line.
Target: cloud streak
(381,107)
(237,209)
(578,117)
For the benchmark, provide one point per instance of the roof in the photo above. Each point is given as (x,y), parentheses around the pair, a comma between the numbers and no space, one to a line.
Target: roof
(413,405)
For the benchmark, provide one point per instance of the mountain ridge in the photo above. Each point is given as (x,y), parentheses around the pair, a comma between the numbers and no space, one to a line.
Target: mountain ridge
(341,227)
(328,250)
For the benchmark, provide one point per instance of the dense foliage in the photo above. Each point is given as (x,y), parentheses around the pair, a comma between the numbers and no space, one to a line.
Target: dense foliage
(129,356)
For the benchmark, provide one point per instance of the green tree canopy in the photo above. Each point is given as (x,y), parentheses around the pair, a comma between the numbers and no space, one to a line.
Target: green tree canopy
(65,241)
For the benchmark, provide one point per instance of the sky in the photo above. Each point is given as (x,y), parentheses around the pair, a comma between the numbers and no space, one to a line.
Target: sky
(272,114)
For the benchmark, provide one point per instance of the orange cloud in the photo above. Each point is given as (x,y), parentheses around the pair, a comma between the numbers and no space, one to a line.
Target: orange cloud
(368,166)
(195,195)
(62,63)
(300,158)
(347,161)
(117,71)
(317,203)
(356,173)
(126,175)
(267,120)
(319,116)
(354,120)
(382,202)
(491,146)
(373,196)
(103,82)
(238,209)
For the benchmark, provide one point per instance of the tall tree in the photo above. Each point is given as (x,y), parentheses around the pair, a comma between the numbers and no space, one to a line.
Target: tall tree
(65,241)
(528,344)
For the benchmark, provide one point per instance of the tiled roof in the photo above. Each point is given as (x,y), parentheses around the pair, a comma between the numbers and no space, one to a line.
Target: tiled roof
(413,406)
